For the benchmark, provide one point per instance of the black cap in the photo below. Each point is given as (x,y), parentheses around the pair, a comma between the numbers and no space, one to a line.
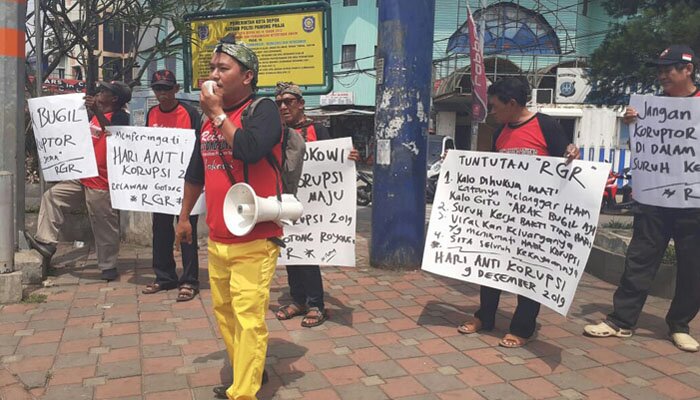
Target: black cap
(119,89)
(674,54)
(163,77)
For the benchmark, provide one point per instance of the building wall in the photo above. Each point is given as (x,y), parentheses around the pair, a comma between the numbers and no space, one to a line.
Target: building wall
(354,25)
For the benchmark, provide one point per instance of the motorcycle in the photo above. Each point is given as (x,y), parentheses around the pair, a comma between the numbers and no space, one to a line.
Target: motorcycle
(364,188)
(438,145)
(609,203)
(431,180)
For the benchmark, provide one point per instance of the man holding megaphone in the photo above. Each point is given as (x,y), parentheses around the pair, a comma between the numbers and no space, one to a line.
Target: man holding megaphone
(240,267)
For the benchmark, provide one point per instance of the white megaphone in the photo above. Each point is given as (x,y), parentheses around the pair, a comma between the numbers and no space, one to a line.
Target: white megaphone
(243,209)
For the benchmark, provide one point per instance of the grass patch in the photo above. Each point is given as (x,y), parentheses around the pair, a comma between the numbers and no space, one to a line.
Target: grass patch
(615,224)
(34,298)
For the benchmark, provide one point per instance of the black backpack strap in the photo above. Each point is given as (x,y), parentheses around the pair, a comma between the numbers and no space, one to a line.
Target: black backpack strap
(227,168)
(277,166)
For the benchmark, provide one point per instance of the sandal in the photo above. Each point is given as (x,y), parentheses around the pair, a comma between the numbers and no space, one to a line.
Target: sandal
(155,288)
(289,311)
(187,293)
(685,342)
(472,326)
(511,341)
(314,317)
(605,329)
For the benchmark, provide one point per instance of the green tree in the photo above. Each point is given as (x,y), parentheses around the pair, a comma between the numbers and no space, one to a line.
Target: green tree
(648,26)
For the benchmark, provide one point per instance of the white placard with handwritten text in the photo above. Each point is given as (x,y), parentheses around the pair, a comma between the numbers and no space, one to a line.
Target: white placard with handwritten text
(518,223)
(63,139)
(665,142)
(325,233)
(146,168)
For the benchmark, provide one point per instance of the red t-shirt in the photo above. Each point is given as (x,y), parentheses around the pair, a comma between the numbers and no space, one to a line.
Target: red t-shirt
(99,142)
(526,138)
(261,176)
(178,117)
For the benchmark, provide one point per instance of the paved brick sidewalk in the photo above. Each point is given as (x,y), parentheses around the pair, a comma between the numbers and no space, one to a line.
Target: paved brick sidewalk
(391,335)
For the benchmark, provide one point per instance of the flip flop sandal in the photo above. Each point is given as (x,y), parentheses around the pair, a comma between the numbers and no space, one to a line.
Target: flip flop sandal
(186,293)
(155,288)
(289,311)
(604,329)
(512,342)
(685,342)
(316,318)
(472,326)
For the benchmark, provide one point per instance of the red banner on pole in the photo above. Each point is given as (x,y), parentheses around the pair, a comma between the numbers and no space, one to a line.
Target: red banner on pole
(478,72)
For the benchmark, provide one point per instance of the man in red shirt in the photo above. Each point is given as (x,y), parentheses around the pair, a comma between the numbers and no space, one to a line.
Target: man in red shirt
(240,267)
(170,113)
(108,109)
(654,227)
(523,132)
(305,282)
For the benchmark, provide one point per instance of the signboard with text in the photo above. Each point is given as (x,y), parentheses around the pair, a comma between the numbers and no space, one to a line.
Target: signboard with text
(325,233)
(292,43)
(665,144)
(147,166)
(63,139)
(518,223)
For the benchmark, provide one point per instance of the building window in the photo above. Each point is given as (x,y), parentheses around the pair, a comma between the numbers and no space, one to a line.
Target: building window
(111,68)
(113,37)
(77,73)
(152,68)
(61,73)
(171,64)
(348,60)
(349,3)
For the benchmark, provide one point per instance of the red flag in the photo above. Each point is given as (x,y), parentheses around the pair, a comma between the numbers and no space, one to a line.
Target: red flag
(478,72)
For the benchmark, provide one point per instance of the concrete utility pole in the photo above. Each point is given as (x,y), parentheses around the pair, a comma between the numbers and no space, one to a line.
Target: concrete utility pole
(404,66)
(12,15)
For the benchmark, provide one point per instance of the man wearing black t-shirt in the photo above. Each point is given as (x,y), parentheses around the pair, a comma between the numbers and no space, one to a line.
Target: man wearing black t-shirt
(170,113)
(523,132)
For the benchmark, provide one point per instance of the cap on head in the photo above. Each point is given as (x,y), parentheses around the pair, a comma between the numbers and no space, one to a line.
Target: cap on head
(238,51)
(163,77)
(119,89)
(288,87)
(674,54)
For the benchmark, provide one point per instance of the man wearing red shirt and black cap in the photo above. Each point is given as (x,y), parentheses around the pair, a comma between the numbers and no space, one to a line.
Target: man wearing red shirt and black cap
(676,70)
(170,113)
(109,102)
(240,267)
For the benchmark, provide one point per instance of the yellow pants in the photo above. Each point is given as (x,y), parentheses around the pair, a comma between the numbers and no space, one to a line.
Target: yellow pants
(240,276)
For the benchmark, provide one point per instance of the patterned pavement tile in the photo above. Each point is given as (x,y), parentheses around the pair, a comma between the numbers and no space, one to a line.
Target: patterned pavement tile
(391,335)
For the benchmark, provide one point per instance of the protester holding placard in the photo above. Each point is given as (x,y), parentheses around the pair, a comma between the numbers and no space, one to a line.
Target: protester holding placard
(654,226)
(305,282)
(523,132)
(240,267)
(171,113)
(108,109)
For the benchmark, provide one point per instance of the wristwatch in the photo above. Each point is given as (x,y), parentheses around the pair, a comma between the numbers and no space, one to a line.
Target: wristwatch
(218,120)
